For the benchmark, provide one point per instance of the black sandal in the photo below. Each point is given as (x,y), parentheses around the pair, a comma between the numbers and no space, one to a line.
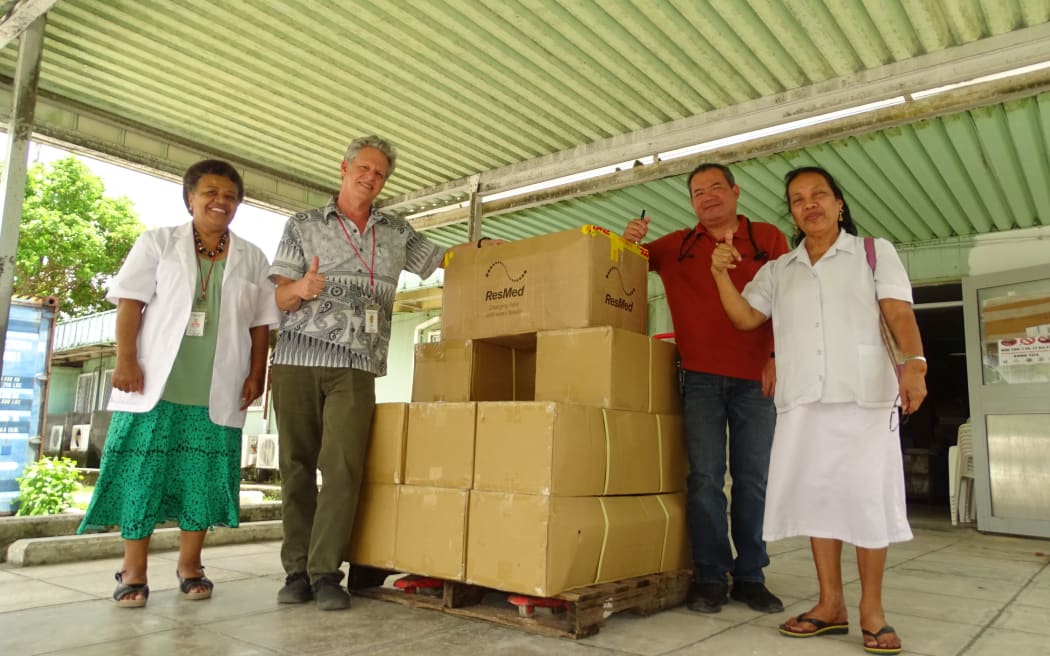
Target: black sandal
(186,586)
(126,589)
(874,635)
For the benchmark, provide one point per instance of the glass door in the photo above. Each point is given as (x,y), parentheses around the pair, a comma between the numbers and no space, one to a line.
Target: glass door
(1007,320)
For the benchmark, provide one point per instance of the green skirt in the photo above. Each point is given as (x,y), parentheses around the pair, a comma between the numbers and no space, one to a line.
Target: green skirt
(169,464)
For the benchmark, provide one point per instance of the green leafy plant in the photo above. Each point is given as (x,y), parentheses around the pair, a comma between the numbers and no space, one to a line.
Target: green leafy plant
(47,486)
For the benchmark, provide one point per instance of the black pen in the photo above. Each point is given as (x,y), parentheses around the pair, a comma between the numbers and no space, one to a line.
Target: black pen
(642,217)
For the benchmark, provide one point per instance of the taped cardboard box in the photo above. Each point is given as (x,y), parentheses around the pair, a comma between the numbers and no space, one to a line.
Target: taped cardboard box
(534,545)
(571,279)
(431,532)
(607,367)
(677,551)
(674,463)
(566,450)
(473,370)
(385,458)
(375,526)
(635,532)
(439,445)
(545,545)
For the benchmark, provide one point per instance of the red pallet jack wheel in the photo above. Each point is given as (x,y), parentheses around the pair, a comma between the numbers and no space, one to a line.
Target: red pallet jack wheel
(412,584)
(528,605)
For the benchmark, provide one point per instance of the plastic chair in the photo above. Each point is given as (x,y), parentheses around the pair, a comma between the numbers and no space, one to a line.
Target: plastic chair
(953,483)
(966,511)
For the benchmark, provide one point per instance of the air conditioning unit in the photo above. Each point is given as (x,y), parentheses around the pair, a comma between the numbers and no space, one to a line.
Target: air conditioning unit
(84,401)
(54,442)
(249,450)
(107,387)
(79,439)
(268,454)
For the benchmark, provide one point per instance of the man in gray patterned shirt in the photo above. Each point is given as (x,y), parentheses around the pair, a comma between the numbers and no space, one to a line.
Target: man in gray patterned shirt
(336,272)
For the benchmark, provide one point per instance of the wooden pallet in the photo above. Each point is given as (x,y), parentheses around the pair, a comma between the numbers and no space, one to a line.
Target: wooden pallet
(583,615)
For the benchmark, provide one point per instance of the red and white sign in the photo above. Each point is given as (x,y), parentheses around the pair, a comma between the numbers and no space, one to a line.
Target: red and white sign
(1024,350)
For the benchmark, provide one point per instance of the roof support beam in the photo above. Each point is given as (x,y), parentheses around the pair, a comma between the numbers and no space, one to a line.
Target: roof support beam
(13,180)
(474,210)
(20,17)
(73,127)
(980,58)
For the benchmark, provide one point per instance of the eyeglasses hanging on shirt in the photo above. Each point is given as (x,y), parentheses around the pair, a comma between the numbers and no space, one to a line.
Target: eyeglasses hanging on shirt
(685,251)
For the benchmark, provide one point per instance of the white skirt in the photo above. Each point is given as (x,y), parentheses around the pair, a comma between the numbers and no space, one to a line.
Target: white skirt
(836,471)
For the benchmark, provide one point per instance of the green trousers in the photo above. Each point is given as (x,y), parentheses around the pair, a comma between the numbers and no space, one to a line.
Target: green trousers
(324,415)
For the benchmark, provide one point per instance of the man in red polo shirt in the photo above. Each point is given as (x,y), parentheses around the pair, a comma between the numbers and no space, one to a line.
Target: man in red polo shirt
(728,380)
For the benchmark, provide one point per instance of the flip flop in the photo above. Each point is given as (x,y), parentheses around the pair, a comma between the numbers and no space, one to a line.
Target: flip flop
(820,628)
(875,636)
(125,589)
(186,586)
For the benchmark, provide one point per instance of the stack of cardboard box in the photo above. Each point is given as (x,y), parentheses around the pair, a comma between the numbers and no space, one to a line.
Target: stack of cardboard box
(543,448)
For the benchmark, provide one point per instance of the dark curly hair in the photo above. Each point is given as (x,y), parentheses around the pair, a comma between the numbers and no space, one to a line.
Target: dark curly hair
(193,175)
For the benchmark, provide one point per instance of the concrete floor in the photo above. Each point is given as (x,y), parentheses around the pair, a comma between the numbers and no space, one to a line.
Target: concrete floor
(949,591)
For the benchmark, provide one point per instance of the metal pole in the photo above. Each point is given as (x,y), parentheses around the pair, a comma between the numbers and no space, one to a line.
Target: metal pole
(13,182)
(474,226)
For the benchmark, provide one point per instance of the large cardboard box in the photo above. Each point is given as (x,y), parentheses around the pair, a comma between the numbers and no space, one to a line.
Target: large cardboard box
(674,463)
(607,367)
(375,526)
(473,370)
(439,446)
(677,552)
(385,459)
(431,532)
(581,277)
(534,545)
(635,532)
(545,545)
(566,450)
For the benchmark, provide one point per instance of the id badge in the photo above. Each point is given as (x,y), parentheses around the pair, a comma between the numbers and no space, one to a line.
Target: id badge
(371,319)
(195,328)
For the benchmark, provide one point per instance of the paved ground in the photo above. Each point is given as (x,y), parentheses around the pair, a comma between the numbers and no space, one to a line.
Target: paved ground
(950,591)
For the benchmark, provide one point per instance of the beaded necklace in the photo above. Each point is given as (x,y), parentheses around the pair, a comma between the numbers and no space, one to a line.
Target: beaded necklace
(204,251)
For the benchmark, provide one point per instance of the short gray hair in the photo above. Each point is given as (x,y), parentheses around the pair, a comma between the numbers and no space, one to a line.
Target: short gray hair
(372,141)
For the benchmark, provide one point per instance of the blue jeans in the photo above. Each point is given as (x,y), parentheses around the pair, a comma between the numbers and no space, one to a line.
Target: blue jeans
(709,403)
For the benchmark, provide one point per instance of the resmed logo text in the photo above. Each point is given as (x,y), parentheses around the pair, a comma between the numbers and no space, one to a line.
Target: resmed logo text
(619,303)
(507,292)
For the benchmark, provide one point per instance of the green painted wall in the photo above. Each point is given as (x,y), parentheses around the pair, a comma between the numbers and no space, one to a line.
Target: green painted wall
(396,386)
(63,389)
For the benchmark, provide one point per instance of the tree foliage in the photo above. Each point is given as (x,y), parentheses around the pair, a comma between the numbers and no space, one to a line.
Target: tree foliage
(73,238)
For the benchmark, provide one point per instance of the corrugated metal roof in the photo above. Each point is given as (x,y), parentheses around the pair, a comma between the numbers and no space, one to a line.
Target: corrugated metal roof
(466,86)
(985,170)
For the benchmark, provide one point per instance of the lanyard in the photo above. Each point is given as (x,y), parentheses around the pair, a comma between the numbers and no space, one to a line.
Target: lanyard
(371,269)
(204,280)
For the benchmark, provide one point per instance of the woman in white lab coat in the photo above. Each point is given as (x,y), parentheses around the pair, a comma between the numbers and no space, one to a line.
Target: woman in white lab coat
(194,310)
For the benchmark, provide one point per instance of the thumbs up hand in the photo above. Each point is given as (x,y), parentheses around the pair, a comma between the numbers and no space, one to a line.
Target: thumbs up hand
(724,256)
(312,283)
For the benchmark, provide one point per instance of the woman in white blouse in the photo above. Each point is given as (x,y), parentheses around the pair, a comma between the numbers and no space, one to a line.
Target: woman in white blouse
(835,472)
(194,310)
